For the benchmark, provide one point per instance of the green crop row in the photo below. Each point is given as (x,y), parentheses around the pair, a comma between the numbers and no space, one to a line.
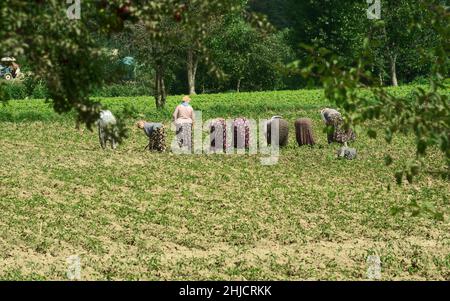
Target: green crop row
(289,104)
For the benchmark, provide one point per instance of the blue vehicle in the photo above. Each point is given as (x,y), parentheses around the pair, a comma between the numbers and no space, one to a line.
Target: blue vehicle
(6,72)
(9,69)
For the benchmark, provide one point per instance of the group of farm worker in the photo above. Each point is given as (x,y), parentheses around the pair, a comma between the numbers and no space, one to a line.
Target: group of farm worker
(183,118)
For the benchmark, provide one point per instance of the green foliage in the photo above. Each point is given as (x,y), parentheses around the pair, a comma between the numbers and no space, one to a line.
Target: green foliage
(398,46)
(341,27)
(252,60)
(66,54)
(424,112)
(229,105)
(123,90)
(23,90)
(40,91)
(142,215)
(27,88)
(421,80)
(14,90)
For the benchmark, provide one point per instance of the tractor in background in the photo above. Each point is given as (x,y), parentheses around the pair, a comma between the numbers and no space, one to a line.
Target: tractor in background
(9,69)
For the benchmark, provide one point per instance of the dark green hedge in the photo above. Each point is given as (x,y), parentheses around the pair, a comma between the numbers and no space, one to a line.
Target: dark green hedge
(15,90)
(123,90)
(26,89)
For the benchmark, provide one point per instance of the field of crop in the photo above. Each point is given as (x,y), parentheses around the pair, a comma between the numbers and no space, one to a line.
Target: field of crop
(130,214)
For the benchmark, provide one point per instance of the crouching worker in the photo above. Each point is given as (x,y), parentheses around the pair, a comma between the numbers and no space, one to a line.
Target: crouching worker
(107,129)
(156,135)
(339,134)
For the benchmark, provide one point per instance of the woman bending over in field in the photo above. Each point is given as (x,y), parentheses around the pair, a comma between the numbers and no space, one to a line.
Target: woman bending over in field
(339,134)
(156,134)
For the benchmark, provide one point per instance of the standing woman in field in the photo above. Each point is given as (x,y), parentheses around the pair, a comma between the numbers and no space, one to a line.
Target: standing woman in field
(183,118)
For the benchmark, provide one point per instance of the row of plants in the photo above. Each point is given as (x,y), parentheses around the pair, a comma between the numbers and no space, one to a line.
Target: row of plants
(28,89)
(289,104)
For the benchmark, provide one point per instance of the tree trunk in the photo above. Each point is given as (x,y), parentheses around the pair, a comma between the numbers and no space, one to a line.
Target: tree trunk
(381,79)
(160,88)
(238,88)
(192,63)
(393,59)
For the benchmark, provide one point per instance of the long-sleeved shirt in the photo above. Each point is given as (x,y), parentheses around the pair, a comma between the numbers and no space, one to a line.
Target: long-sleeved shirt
(106,119)
(149,127)
(183,113)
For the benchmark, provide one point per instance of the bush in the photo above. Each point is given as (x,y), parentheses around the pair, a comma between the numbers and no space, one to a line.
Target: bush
(425,81)
(123,90)
(29,82)
(40,91)
(15,90)
(24,89)
(421,80)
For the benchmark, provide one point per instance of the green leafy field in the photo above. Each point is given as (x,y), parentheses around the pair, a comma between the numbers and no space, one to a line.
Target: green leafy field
(131,214)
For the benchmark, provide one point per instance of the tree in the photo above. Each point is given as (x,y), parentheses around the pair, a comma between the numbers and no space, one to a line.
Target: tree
(341,26)
(252,60)
(396,40)
(192,45)
(156,53)
(63,52)
(193,39)
(423,113)
(337,25)
(231,44)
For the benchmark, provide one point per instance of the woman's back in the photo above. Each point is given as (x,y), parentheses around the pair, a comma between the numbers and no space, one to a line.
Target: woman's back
(183,113)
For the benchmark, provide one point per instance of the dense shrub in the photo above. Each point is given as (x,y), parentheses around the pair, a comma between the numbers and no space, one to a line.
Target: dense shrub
(38,90)
(421,80)
(124,90)
(15,90)
(425,81)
